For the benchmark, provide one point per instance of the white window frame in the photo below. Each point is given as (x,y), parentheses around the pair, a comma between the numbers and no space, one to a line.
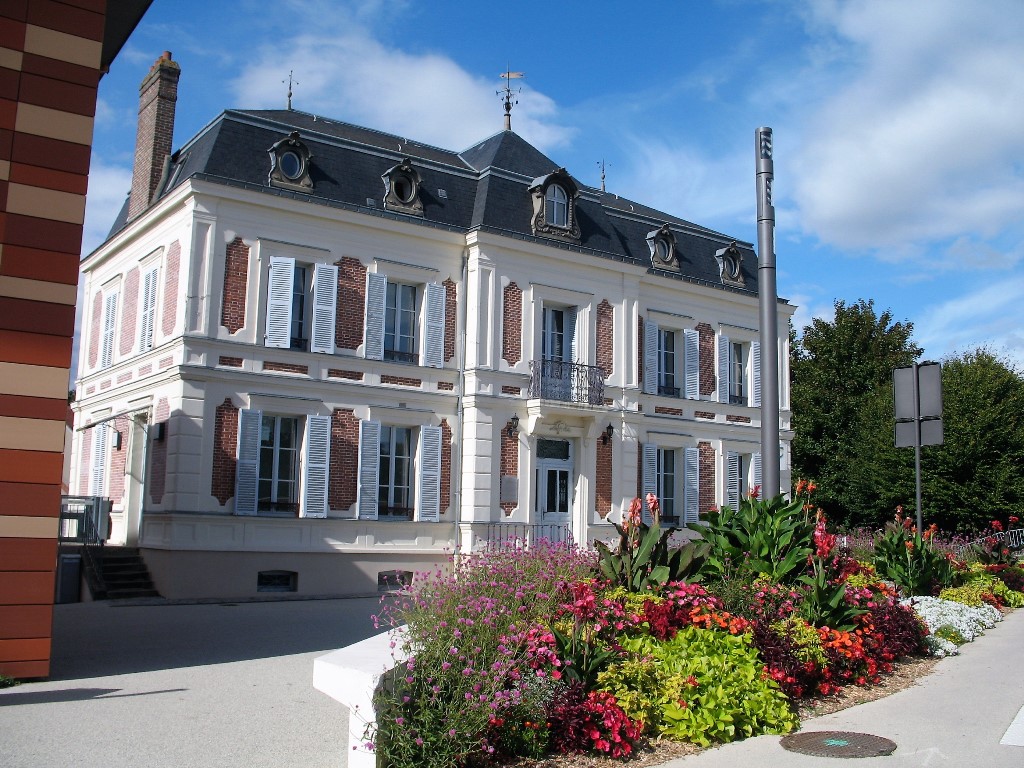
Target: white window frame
(424,471)
(749,378)
(556,206)
(147,302)
(320,291)
(742,474)
(652,361)
(108,329)
(430,319)
(686,459)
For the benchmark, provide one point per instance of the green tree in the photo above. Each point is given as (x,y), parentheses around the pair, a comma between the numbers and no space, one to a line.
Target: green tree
(977,474)
(839,369)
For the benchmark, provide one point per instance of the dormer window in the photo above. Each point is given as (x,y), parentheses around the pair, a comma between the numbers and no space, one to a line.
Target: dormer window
(662,243)
(730,265)
(290,164)
(554,206)
(402,189)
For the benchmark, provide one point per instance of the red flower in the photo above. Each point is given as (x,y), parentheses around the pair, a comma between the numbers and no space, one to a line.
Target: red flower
(996,525)
(755,491)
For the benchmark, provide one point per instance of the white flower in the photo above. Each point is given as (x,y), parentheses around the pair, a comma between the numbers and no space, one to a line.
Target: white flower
(969,621)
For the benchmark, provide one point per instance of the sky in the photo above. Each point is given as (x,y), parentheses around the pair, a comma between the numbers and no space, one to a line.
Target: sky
(898,155)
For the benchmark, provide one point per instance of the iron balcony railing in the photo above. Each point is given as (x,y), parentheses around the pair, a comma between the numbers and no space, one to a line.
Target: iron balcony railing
(566,382)
(84,519)
(511,535)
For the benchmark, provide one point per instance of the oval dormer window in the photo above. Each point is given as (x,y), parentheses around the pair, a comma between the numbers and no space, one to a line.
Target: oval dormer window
(663,250)
(405,188)
(291,165)
(731,266)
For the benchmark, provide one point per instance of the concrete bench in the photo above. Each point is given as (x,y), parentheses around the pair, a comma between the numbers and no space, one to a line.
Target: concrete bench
(350,675)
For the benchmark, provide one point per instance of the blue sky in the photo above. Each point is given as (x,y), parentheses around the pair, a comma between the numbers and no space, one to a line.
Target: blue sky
(899,150)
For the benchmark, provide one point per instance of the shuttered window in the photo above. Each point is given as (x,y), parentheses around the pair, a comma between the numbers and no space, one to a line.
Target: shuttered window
(148,301)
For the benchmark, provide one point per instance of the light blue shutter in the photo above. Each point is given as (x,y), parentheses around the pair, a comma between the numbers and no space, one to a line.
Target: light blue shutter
(317,460)
(433,336)
(756,462)
(369,470)
(376,296)
(723,369)
(428,494)
(649,482)
(279,302)
(148,310)
(732,480)
(691,363)
(100,441)
(651,358)
(755,374)
(691,485)
(109,323)
(247,467)
(325,295)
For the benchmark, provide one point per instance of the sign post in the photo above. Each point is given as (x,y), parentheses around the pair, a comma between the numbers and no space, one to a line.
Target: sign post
(917,395)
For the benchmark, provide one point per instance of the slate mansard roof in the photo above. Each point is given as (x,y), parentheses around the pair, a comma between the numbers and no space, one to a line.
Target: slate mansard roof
(482,188)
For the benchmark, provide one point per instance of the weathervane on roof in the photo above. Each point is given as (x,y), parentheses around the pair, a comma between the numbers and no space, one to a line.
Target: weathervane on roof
(601,163)
(290,88)
(508,95)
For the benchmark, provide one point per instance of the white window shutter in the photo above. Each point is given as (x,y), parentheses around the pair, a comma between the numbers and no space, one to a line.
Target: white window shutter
(723,369)
(433,325)
(756,463)
(100,442)
(732,480)
(279,302)
(373,339)
(570,341)
(428,494)
(325,296)
(148,310)
(691,485)
(247,467)
(691,363)
(651,358)
(755,374)
(649,481)
(317,461)
(109,324)
(369,470)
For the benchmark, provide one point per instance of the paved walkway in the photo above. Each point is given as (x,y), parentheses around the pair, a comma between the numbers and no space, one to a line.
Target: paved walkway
(229,685)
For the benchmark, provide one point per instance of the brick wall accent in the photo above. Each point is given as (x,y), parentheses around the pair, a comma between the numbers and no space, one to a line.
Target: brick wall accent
(231,362)
(738,419)
(158,453)
(270,365)
(145,370)
(603,473)
(129,311)
(668,411)
(446,466)
(84,461)
(445,386)
(341,484)
(706,462)
(338,373)
(172,270)
(236,276)
(605,337)
(512,324)
(403,381)
(350,314)
(165,362)
(225,448)
(123,377)
(118,458)
(509,461)
(451,306)
(640,351)
(95,329)
(507,390)
(706,344)
(704,415)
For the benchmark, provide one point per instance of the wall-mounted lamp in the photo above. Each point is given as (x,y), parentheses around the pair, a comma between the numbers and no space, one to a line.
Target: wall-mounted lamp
(513,426)
(158,431)
(607,434)
(117,440)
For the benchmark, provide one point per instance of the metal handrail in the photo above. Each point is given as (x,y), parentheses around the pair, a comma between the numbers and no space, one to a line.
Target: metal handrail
(1014,537)
(504,535)
(566,382)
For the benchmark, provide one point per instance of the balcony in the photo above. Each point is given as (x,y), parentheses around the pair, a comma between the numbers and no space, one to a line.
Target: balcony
(566,382)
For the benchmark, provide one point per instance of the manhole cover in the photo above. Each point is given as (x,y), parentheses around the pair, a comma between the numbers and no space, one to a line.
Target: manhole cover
(838,744)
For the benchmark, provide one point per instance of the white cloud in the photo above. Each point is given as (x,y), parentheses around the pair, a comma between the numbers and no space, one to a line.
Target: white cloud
(108,186)
(353,77)
(920,139)
(992,316)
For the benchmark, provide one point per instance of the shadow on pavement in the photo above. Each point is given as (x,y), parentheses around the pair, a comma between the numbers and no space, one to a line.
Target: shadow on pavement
(13,698)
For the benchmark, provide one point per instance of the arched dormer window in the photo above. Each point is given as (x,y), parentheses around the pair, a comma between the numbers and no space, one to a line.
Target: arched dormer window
(662,243)
(290,164)
(554,206)
(402,189)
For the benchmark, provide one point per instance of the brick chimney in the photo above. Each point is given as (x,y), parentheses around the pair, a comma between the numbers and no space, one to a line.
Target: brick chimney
(157,96)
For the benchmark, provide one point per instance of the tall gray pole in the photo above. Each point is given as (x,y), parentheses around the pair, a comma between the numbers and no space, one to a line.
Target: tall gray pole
(768,305)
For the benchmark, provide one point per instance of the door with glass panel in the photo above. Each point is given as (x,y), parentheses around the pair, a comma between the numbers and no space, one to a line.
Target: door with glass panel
(558,328)
(554,480)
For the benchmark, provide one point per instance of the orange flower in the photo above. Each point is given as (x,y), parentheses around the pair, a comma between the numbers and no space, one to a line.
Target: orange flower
(910,546)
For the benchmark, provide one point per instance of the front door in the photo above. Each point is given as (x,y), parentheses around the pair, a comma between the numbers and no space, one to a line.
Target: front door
(554,480)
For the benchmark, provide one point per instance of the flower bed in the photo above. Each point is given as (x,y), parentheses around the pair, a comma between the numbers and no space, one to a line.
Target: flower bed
(528,651)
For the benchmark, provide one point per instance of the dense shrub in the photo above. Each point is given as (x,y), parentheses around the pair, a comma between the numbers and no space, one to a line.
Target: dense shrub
(910,559)
(591,722)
